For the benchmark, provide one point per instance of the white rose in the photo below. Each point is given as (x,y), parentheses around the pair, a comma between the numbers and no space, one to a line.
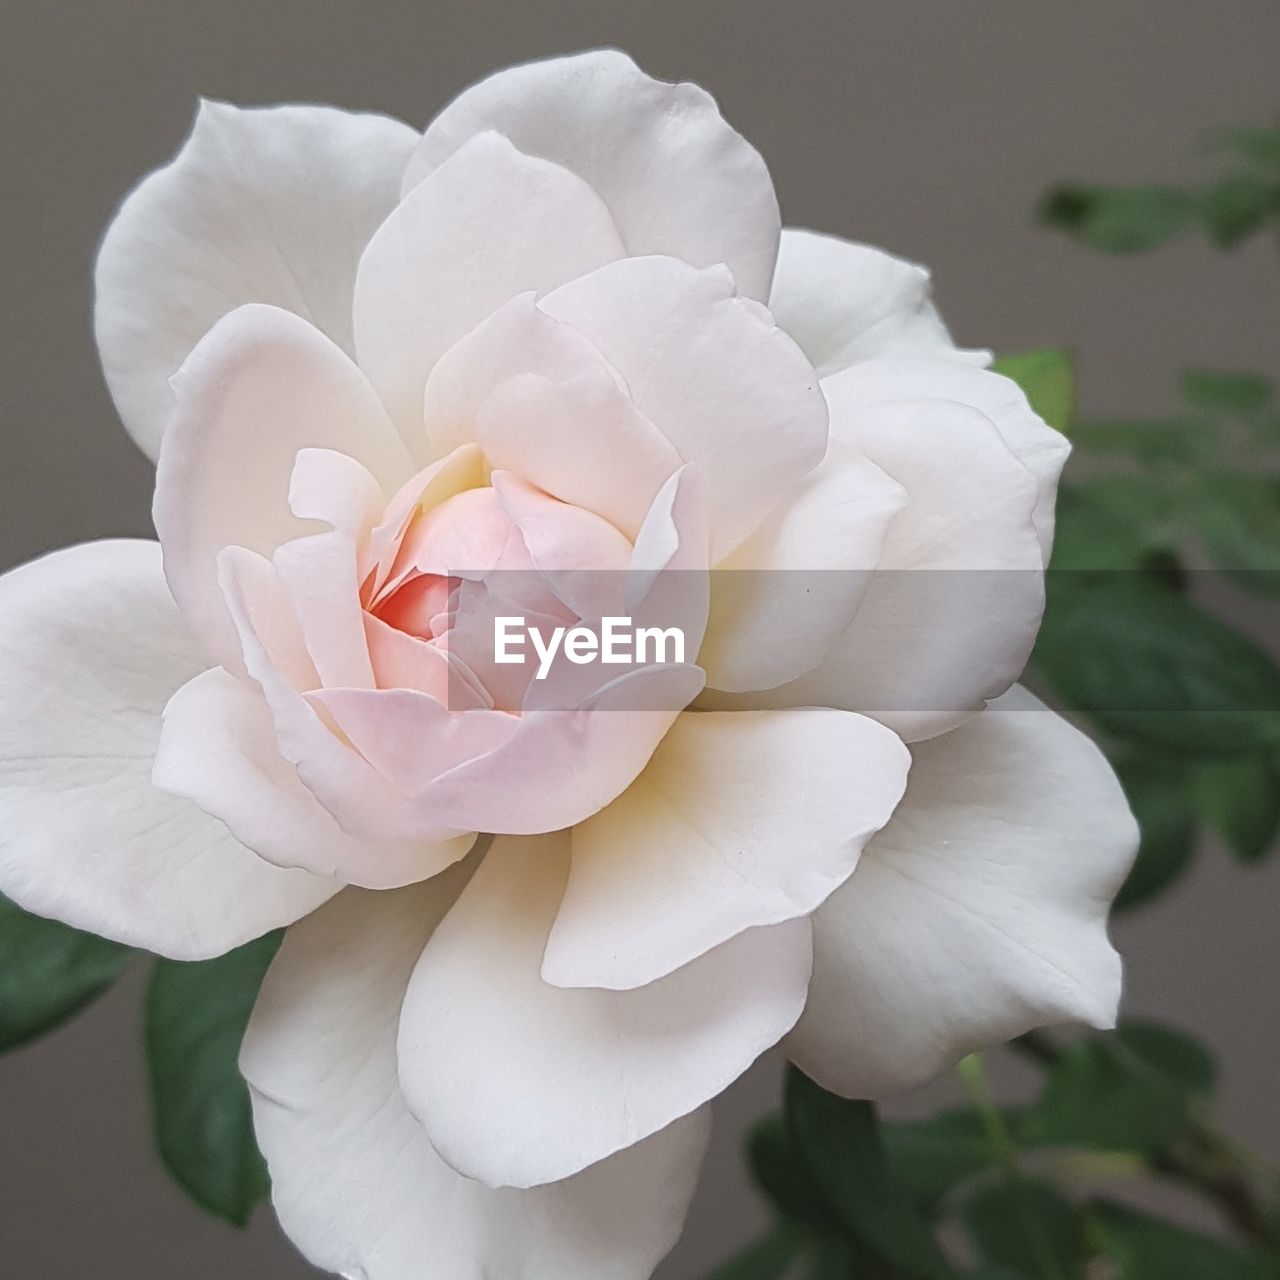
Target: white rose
(554,333)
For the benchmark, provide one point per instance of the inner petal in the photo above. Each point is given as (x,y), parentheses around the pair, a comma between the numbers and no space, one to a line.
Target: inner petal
(419,606)
(467,536)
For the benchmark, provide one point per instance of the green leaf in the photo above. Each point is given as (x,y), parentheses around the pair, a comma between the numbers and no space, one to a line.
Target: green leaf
(1237,206)
(1240,522)
(929,1157)
(1002,1217)
(1146,501)
(1179,441)
(1048,379)
(1218,391)
(1163,1053)
(1240,800)
(1109,522)
(1091,1101)
(769,1258)
(1158,794)
(1146,664)
(780,1172)
(48,972)
(830,1258)
(800,1252)
(1119,219)
(840,1143)
(196,1017)
(1132,1091)
(1259,146)
(1147,1248)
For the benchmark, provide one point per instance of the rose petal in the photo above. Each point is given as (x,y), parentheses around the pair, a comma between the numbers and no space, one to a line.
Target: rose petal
(412,738)
(978,913)
(403,661)
(322,573)
(459,471)
(471,637)
(712,372)
(663,595)
(361,799)
(598,1071)
(336,489)
(488,771)
(740,819)
(1042,450)
(677,179)
(543,403)
(580,555)
(259,388)
(356,1183)
(469,537)
(488,224)
(218,748)
(668,584)
(91,648)
(845,302)
(269,205)
(949,618)
(788,593)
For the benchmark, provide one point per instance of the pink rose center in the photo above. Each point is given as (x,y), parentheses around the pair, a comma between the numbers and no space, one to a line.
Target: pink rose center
(436,579)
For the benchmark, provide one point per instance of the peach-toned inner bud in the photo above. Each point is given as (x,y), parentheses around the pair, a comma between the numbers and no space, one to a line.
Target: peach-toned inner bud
(435,577)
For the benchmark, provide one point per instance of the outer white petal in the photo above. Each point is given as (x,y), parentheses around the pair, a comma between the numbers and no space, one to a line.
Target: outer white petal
(711,370)
(845,302)
(519,1083)
(1042,450)
(356,1183)
(259,388)
(788,593)
(741,819)
(267,205)
(489,224)
(218,748)
(948,620)
(677,179)
(978,913)
(91,647)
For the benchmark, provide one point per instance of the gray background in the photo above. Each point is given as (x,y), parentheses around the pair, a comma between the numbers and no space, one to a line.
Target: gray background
(929,128)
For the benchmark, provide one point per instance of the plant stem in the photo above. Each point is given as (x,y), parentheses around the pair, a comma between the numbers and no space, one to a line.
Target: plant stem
(1207,1161)
(1006,1156)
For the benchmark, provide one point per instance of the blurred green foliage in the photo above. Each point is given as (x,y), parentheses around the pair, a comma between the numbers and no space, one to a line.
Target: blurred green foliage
(1014,1191)
(1239,201)
(1176,514)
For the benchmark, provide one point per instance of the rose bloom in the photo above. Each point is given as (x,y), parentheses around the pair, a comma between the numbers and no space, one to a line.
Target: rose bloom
(562,330)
